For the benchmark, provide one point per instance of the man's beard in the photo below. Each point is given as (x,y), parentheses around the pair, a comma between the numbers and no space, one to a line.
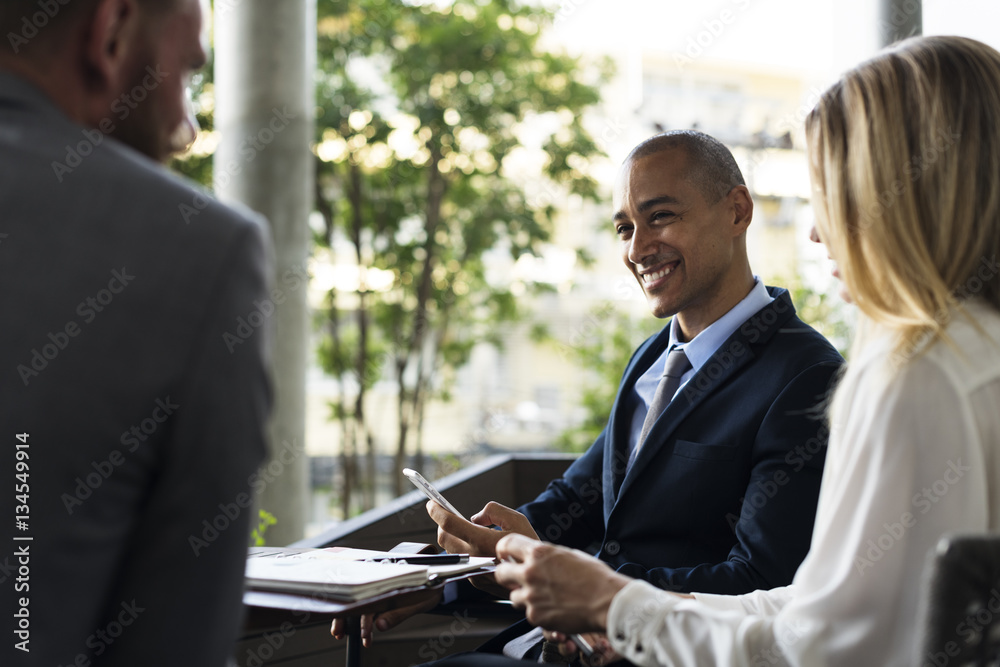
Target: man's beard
(141,127)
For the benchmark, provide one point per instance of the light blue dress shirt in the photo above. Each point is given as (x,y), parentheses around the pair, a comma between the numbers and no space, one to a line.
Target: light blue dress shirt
(699,350)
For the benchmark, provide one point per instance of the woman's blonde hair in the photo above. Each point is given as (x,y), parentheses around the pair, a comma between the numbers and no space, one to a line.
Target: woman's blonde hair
(905,157)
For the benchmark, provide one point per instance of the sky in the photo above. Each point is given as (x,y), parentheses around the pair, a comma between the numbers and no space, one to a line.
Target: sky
(816,40)
(823,37)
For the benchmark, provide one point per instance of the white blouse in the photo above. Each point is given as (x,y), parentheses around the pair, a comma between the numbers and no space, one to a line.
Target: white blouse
(918,457)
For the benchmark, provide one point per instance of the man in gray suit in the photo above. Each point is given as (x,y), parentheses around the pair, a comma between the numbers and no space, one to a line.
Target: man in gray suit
(131,432)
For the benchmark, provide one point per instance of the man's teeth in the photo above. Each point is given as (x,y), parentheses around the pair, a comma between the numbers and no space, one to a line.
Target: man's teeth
(650,277)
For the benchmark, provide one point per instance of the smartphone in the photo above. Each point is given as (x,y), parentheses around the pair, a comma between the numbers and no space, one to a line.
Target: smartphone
(585,648)
(429,491)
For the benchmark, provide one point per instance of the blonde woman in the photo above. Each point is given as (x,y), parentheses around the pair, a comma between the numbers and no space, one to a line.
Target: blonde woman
(905,160)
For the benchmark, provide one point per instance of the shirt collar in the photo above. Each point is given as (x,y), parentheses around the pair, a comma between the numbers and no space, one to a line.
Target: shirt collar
(701,348)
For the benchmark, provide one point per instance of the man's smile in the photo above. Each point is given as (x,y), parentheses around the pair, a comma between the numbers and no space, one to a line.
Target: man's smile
(652,277)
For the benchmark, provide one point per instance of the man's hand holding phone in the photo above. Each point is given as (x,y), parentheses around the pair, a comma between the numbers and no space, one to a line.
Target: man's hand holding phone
(455,535)
(478,537)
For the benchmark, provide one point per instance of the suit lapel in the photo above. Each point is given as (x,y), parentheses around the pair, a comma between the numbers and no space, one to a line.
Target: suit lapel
(620,423)
(732,355)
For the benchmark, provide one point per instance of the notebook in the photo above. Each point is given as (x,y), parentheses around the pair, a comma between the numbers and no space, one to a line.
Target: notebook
(333,579)
(344,574)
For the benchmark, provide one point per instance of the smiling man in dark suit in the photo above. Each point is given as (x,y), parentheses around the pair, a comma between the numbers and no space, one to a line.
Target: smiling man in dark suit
(707,474)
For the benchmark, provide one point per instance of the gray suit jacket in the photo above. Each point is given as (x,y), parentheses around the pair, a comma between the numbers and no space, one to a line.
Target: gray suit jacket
(143,409)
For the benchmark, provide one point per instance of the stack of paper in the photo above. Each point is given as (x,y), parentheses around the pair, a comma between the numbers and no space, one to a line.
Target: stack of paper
(340,573)
(330,578)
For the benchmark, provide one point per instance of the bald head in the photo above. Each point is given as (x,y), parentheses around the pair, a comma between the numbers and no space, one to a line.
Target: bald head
(711,166)
(36,29)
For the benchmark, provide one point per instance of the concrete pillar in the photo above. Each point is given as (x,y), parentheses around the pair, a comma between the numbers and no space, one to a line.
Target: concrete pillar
(265,53)
(899,19)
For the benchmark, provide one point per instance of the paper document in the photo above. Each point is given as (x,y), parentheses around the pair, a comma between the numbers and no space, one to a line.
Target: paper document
(338,580)
(342,573)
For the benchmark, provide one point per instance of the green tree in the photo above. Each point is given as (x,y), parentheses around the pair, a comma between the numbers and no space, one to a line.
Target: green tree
(603,346)
(421,108)
(827,313)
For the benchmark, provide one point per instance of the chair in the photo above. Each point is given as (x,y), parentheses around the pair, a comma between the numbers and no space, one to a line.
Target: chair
(960,605)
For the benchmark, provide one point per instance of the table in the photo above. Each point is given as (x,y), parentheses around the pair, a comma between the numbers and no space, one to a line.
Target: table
(351,611)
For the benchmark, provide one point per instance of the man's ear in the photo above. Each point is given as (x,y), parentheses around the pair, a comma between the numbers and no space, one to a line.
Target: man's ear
(111,40)
(742,207)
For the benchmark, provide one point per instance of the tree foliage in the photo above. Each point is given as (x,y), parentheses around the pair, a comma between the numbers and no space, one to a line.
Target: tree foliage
(198,167)
(422,108)
(603,347)
(825,312)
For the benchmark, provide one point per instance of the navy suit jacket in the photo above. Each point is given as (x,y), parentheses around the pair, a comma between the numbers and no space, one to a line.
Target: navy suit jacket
(722,496)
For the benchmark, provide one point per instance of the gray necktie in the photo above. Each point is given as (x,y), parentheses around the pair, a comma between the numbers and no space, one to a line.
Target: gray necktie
(677,366)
